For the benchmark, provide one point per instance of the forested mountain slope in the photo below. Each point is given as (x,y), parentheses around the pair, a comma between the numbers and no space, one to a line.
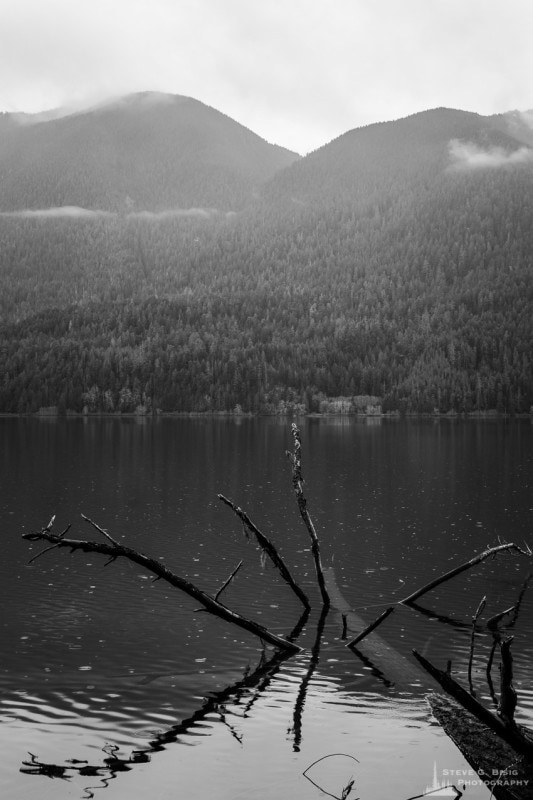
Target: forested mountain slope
(145,152)
(394,262)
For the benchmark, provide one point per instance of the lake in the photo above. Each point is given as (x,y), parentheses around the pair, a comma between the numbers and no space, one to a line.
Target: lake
(115,686)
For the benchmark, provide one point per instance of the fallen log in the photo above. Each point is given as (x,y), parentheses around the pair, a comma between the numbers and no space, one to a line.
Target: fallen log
(114,550)
(506,772)
(395,667)
(513,735)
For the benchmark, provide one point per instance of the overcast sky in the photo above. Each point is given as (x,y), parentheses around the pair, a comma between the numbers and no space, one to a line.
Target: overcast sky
(297,72)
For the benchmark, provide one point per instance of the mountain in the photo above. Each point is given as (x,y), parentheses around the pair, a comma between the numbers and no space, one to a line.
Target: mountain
(391,266)
(145,152)
(385,159)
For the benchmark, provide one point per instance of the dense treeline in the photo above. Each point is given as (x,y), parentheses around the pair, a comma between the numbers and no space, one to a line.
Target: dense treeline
(426,305)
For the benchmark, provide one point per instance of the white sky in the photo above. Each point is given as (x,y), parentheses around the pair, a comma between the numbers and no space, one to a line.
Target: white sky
(297,72)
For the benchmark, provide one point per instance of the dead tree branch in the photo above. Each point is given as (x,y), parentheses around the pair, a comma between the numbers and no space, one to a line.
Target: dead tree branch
(297,481)
(100,530)
(228,580)
(491,551)
(116,550)
(269,549)
(410,601)
(475,618)
(371,627)
(492,623)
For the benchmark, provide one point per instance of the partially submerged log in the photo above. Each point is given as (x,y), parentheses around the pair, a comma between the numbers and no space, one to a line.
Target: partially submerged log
(506,772)
(114,550)
(511,734)
(395,667)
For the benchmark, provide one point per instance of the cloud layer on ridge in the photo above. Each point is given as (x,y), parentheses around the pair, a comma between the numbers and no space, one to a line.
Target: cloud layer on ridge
(76,212)
(468,155)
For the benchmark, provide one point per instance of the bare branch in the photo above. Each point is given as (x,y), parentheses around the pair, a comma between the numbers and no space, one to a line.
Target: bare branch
(101,530)
(344,634)
(64,532)
(491,551)
(268,548)
(297,481)
(213,606)
(492,623)
(228,580)
(46,550)
(475,618)
(371,627)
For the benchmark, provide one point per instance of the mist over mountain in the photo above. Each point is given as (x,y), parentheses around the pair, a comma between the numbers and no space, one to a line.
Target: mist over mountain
(145,152)
(392,266)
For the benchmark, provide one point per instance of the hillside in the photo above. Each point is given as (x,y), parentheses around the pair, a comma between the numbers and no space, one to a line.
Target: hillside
(146,152)
(380,162)
(394,262)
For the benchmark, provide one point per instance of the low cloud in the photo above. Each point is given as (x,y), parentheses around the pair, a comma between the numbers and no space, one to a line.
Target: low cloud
(527,118)
(172,213)
(467,155)
(75,212)
(26,120)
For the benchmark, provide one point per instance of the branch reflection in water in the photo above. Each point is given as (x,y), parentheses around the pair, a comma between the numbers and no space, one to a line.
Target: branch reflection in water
(258,681)
(302,692)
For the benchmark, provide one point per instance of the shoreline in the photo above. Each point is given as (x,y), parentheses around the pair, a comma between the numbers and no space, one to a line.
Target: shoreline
(393,415)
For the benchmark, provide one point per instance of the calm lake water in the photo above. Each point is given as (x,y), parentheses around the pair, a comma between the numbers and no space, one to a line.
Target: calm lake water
(130,692)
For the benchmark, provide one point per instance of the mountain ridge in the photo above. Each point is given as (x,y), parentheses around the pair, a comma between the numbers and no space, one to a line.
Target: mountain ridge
(154,153)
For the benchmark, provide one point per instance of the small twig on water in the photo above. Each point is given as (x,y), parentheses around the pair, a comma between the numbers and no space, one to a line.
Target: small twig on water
(228,580)
(349,786)
(101,530)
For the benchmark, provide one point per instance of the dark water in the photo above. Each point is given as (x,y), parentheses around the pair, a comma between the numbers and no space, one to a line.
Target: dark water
(101,663)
